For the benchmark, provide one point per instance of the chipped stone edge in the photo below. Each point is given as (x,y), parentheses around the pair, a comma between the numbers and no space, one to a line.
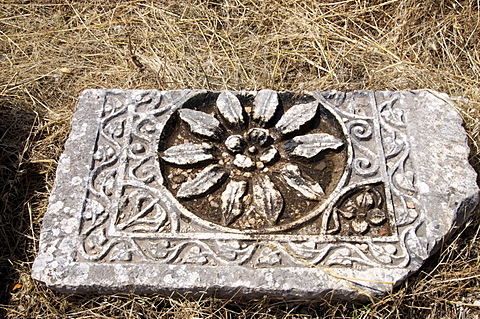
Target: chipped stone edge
(55,265)
(456,211)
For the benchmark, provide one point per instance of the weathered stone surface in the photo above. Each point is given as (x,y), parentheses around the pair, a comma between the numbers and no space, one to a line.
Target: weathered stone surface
(324,194)
(201,123)
(208,178)
(230,108)
(235,143)
(242,161)
(305,185)
(267,200)
(188,154)
(232,206)
(265,106)
(296,117)
(311,145)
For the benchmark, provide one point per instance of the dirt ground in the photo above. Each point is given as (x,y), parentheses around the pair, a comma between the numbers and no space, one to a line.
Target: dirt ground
(52,50)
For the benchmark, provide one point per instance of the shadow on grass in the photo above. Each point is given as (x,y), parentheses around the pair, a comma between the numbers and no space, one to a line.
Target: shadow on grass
(20,181)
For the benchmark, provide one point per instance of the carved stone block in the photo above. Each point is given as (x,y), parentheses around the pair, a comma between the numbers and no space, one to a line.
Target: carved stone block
(305,195)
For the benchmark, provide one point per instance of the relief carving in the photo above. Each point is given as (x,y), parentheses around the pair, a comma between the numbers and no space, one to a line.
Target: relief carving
(247,164)
(361,211)
(264,163)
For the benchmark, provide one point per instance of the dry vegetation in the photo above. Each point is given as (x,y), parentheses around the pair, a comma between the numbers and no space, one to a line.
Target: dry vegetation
(51,51)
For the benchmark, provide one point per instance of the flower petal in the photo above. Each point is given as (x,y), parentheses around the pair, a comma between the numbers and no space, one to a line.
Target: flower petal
(201,123)
(232,201)
(365,201)
(208,178)
(349,209)
(360,226)
(188,154)
(267,199)
(296,117)
(265,106)
(377,216)
(305,185)
(311,145)
(230,108)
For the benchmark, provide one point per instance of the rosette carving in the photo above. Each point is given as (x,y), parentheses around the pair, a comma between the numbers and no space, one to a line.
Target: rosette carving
(253,163)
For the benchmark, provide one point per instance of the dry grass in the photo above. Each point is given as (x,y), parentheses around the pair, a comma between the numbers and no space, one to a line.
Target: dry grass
(51,51)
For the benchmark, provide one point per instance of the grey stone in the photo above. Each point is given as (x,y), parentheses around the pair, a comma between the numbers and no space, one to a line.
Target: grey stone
(267,200)
(230,108)
(186,154)
(234,143)
(305,185)
(296,117)
(242,161)
(349,194)
(201,123)
(265,106)
(232,206)
(268,155)
(311,145)
(258,136)
(208,178)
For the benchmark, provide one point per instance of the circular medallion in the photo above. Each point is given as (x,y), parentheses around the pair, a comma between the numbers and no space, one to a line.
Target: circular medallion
(256,163)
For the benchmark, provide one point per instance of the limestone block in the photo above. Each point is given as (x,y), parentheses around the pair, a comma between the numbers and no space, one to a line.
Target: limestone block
(306,195)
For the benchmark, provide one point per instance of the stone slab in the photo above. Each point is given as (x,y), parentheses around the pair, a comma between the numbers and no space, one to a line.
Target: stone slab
(305,196)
